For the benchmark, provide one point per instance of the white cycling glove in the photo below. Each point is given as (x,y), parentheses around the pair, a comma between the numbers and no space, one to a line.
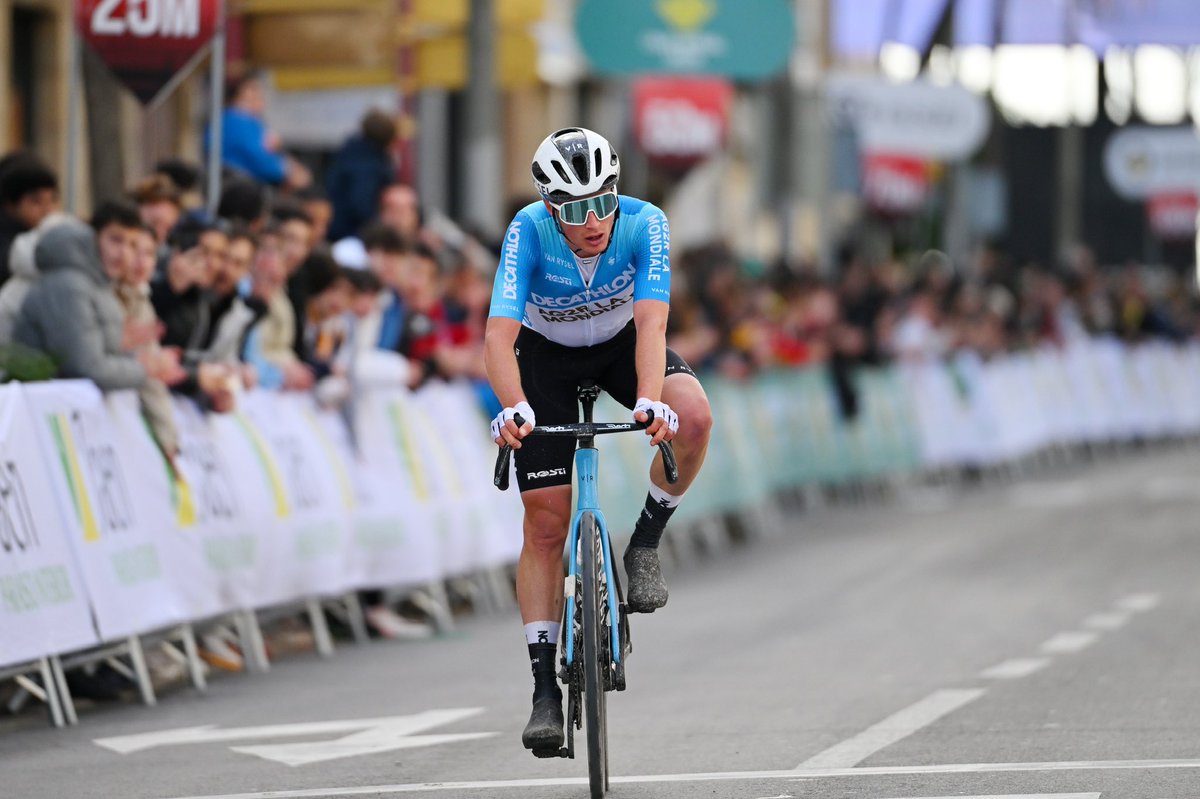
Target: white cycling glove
(508,413)
(661,411)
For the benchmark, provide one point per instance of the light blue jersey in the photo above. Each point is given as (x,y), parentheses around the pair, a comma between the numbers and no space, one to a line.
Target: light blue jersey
(541,282)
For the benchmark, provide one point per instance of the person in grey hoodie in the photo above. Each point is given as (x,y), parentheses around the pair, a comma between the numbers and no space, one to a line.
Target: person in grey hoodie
(72,313)
(24,273)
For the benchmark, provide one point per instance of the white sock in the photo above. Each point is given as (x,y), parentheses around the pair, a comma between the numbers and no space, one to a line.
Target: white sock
(664,499)
(542,632)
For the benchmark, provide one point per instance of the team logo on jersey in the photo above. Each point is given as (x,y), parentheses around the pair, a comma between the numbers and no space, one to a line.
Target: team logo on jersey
(618,284)
(584,312)
(512,242)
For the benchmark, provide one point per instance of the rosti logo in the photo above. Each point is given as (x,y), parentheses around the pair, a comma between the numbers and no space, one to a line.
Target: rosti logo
(546,473)
(512,242)
(145,18)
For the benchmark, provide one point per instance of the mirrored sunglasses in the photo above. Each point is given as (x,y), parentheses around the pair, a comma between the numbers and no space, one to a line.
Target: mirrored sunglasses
(575,212)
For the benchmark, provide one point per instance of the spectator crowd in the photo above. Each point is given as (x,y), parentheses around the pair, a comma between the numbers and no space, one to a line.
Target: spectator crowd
(300,285)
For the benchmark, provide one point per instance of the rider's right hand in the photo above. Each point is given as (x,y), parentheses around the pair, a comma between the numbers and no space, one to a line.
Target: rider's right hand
(504,428)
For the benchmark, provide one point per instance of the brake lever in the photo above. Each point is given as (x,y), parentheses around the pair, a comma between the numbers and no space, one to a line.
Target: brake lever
(500,477)
(670,466)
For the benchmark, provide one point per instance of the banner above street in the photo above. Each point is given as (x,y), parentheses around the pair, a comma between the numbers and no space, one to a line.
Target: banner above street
(738,40)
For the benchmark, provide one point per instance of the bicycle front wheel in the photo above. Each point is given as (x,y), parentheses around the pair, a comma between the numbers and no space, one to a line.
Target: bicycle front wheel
(596,655)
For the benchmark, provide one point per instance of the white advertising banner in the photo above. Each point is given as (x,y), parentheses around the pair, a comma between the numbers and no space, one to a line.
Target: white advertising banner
(223,524)
(43,602)
(308,548)
(394,485)
(110,525)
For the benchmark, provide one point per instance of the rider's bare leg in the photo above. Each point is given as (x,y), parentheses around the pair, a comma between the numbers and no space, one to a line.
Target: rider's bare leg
(540,595)
(540,568)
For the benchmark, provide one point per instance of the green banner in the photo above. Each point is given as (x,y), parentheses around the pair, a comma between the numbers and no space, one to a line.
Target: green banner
(738,39)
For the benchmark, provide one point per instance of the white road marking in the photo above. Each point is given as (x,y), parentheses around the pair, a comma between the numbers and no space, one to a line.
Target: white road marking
(1014,669)
(727,776)
(1069,642)
(1140,603)
(892,729)
(367,736)
(1018,796)
(1107,621)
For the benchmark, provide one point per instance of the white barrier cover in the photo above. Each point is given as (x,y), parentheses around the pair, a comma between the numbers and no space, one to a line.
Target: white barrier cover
(224,514)
(393,477)
(43,602)
(492,536)
(111,526)
(313,506)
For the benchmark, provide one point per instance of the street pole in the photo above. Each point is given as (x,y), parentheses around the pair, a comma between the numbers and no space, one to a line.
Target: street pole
(481,179)
(216,102)
(71,183)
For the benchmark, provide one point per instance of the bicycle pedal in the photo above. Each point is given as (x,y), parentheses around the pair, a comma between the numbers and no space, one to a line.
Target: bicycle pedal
(550,752)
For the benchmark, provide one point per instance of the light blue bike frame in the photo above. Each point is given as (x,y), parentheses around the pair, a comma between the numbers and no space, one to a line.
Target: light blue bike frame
(587,465)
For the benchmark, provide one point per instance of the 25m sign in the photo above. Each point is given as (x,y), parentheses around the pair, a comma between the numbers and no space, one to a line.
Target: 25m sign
(147,42)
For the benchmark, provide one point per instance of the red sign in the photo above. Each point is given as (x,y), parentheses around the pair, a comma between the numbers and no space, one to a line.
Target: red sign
(895,184)
(679,121)
(1173,216)
(146,42)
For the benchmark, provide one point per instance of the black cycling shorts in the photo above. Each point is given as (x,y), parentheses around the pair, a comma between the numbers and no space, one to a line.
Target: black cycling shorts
(550,377)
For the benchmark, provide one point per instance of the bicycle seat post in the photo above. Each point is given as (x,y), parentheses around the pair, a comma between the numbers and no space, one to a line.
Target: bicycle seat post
(589,392)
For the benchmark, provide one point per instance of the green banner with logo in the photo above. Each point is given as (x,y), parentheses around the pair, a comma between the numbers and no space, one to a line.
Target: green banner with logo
(739,39)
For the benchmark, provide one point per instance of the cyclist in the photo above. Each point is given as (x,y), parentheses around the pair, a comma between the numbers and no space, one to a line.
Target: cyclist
(582,291)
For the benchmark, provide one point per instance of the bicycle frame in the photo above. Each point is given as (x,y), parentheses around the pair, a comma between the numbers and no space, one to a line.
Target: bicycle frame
(587,465)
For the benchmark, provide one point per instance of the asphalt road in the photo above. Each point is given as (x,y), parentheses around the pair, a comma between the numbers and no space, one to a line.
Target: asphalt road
(1026,639)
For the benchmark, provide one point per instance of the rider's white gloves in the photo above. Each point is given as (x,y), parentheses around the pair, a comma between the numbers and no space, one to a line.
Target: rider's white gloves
(508,413)
(661,411)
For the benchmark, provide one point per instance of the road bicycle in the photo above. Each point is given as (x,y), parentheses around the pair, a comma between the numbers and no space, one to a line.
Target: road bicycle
(595,627)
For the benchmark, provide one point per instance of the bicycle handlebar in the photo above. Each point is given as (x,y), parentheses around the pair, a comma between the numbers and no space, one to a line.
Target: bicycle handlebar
(584,430)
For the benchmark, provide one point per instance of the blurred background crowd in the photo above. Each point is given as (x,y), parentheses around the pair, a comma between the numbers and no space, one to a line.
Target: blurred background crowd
(849,182)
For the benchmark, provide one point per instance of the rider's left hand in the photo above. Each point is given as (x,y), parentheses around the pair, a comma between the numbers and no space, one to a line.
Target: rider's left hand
(665,424)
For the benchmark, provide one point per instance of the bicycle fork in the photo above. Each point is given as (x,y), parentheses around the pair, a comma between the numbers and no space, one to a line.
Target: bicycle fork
(586,467)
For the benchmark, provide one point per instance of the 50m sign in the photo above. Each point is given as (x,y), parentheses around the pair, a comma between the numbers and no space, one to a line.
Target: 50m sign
(146,42)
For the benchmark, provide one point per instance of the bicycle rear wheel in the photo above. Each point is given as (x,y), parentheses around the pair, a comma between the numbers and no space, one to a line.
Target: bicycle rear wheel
(596,654)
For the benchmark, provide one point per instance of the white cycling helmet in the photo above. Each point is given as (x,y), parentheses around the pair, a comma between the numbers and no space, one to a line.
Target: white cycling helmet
(574,162)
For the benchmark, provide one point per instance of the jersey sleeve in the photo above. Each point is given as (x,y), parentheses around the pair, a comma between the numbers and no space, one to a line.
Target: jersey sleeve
(518,256)
(652,256)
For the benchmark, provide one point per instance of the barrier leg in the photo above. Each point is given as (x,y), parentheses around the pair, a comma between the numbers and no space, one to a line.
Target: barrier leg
(354,617)
(254,649)
(320,628)
(63,691)
(195,666)
(50,695)
(498,586)
(141,672)
(433,600)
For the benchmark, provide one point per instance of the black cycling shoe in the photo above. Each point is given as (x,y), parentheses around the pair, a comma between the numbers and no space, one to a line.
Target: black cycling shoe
(647,588)
(544,732)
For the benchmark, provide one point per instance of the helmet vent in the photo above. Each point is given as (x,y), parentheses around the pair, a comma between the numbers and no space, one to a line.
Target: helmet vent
(597,158)
(579,164)
(540,175)
(562,173)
